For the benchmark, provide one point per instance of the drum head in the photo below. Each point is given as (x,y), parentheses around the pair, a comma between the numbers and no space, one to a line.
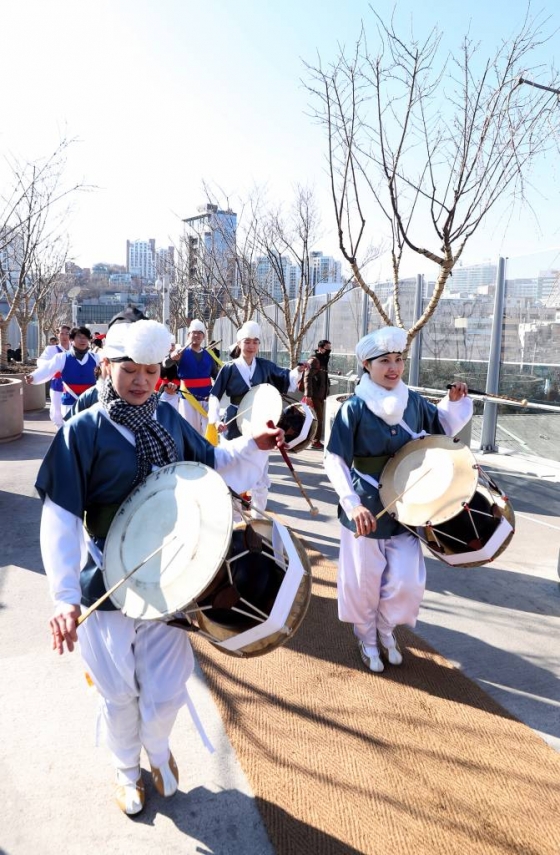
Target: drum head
(260,405)
(187,508)
(438,473)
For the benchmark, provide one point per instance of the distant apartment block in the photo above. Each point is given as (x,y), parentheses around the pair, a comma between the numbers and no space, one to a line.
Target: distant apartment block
(141,259)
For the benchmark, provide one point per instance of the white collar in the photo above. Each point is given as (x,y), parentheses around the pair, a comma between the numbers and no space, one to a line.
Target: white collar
(388,404)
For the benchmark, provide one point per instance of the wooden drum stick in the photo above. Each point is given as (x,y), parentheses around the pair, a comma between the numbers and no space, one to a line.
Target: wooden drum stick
(312,509)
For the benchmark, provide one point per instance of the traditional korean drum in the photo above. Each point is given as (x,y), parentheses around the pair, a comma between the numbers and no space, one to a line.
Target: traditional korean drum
(434,487)
(264,403)
(246,590)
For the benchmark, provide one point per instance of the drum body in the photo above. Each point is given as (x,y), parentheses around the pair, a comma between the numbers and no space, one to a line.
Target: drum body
(245,589)
(299,423)
(260,595)
(435,488)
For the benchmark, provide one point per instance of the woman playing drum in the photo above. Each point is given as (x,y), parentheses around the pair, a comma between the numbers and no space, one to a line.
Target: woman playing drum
(139,667)
(236,378)
(381,575)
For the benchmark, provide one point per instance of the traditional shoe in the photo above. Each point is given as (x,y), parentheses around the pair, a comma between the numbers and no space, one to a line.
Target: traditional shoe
(318,445)
(390,649)
(130,797)
(370,657)
(166,778)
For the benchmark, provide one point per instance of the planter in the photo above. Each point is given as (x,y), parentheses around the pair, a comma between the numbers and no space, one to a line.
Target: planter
(34,397)
(11,409)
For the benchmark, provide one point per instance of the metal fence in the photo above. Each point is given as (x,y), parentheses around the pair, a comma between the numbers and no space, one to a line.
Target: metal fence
(497,327)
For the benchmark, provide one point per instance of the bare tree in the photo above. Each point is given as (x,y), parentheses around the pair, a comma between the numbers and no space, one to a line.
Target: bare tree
(260,259)
(285,243)
(432,144)
(30,232)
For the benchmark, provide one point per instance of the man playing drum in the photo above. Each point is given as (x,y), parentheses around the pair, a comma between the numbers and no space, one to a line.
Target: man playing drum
(235,379)
(381,571)
(196,368)
(139,667)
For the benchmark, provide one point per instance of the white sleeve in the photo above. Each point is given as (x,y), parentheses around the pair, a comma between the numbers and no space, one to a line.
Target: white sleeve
(213,410)
(47,370)
(62,550)
(341,479)
(172,399)
(240,462)
(294,377)
(454,415)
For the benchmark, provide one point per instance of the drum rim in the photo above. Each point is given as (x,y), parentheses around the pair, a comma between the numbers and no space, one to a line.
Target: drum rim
(128,597)
(420,514)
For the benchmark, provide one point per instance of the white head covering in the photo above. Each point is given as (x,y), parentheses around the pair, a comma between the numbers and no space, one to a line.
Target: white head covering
(250,329)
(145,342)
(197,326)
(382,341)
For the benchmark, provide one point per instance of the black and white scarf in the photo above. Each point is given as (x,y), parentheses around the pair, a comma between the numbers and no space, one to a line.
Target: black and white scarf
(154,444)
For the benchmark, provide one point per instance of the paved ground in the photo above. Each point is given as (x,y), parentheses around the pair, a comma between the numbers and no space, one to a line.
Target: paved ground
(499,623)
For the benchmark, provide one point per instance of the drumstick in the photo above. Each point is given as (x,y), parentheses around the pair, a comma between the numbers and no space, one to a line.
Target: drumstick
(312,509)
(490,396)
(108,593)
(242,413)
(396,499)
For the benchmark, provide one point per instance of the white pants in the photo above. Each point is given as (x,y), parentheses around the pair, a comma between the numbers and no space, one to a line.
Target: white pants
(259,495)
(192,416)
(380,583)
(55,411)
(140,669)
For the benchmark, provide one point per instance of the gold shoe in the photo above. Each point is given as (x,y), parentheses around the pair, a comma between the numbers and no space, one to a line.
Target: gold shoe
(131,797)
(166,778)
(390,649)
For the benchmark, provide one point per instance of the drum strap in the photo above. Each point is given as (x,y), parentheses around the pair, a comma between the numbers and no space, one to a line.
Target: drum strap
(367,478)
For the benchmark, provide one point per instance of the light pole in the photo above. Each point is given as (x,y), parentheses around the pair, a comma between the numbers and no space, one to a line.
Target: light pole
(163,286)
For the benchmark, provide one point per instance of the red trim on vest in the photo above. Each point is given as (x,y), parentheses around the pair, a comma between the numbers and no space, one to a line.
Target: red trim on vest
(78,388)
(196,382)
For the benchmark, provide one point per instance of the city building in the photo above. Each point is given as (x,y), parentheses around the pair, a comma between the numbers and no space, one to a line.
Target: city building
(141,259)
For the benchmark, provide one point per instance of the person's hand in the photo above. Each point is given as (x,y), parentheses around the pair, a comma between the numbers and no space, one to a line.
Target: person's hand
(308,401)
(171,388)
(269,438)
(63,627)
(364,519)
(222,428)
(457,391)
(29,379)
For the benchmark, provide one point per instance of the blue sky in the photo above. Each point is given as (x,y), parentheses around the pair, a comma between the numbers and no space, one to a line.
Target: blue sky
(166,94)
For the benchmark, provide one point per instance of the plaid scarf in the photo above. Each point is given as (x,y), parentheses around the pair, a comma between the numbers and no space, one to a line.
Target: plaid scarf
(154,444)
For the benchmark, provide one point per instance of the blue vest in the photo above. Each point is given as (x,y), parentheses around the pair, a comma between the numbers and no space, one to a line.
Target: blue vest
(77,377)
(194,371)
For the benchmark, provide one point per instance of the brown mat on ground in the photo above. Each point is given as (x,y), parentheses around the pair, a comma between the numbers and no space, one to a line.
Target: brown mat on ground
(416,760)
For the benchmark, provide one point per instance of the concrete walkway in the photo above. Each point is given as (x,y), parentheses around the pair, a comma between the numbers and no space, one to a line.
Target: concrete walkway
(499,623)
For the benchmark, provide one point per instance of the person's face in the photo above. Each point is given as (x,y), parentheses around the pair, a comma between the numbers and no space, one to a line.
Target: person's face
(249,347)
(80,341)
(64,338)
(196,340)
(132,382)
(325,349)
(386,370)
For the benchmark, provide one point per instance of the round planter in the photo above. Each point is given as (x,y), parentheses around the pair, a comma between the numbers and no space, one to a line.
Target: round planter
(34,397)
(11,409)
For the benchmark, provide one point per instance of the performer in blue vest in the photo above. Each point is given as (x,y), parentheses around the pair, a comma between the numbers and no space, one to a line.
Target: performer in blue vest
(56,388)
(235,379)
(75,366)
(196,368)
(140,668)
(381,573)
